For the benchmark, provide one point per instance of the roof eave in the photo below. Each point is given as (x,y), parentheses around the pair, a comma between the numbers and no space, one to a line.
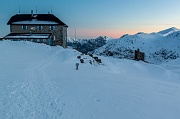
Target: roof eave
(66,26)
(38,24)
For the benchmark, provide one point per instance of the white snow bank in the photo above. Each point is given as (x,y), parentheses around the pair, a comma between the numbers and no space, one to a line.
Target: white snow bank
(38,81)
(35,22)
(173,65)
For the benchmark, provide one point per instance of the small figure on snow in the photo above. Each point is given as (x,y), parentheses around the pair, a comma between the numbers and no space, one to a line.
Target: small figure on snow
(77,66)
(90,61)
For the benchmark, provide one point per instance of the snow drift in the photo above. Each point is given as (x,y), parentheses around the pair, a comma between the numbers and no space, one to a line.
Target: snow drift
(40,82)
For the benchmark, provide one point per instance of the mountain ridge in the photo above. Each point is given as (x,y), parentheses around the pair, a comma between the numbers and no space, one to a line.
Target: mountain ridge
(88,45)
(168,31)
(158,47)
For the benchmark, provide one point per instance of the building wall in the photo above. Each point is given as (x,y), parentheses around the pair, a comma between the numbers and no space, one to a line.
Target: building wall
(59,33)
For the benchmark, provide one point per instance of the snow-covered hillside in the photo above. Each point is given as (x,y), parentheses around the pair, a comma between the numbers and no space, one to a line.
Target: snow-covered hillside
(158,47)
(40,82)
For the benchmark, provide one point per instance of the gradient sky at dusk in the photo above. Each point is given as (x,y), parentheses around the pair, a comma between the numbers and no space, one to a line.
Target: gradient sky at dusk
(92,18)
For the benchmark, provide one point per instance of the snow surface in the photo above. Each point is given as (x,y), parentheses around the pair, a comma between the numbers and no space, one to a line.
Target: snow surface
(23,36)
(34,21)
(40,82)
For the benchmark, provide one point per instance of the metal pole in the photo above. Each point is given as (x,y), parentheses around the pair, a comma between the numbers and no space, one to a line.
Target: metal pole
(36,9)
(19,9)
(75,32)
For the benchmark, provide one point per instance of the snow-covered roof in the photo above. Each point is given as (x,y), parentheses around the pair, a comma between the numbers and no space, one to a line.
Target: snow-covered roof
(27,36)
(34,21)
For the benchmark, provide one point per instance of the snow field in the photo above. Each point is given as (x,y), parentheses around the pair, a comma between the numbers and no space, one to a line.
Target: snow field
(39,81)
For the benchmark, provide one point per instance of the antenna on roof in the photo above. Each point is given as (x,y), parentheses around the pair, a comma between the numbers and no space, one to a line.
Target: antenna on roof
(19,9)
(36,9)
(75,33)
(51,9)
(31,13)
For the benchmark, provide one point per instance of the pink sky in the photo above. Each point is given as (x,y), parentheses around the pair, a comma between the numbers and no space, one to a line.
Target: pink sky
(115,33)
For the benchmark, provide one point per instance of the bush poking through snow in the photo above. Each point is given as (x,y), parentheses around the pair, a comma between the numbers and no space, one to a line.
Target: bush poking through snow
(79,57)
(81,60)
(91,55)
(97,60)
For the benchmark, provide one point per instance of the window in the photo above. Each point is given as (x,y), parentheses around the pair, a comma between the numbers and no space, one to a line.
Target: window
(40,27)
(24,27)
(44,40)
(52,27)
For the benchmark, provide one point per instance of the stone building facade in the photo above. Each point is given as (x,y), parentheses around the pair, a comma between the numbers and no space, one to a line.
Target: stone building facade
(36,28)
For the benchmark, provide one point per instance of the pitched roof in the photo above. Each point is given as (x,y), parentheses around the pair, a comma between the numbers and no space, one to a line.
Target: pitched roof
(39,17)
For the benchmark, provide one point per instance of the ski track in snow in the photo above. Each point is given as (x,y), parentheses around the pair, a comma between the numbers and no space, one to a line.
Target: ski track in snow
(33,92)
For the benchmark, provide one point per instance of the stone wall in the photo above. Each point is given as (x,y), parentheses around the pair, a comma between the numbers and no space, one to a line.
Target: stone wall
(59,33)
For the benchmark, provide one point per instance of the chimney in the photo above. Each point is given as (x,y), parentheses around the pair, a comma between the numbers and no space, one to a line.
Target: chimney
(31,13)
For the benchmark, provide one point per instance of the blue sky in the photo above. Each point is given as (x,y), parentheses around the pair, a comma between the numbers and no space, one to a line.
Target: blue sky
(92,18)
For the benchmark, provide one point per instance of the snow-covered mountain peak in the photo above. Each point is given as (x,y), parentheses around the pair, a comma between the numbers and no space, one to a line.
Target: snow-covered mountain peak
(141,36)
(146,36)
(169,31)
(158,47)
(174,35)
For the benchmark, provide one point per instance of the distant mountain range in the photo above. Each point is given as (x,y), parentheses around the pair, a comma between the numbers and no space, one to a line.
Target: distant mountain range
(158,47)
(88,45)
